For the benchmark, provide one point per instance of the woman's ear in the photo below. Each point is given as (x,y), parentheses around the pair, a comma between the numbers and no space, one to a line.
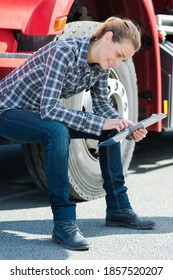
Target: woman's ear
(108,35)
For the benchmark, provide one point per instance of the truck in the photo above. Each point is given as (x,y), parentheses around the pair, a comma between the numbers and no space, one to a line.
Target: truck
(139,87)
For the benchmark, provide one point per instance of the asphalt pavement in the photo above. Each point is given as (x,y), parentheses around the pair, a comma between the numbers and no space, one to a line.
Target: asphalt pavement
(26,218)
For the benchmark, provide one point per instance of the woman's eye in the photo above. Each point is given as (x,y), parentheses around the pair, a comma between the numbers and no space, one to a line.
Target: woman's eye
(119,55)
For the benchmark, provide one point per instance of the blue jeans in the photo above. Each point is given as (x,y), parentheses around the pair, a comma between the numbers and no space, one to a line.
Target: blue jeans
(25,126)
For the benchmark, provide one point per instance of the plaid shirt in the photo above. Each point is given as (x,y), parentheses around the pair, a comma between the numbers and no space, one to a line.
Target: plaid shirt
(59,70)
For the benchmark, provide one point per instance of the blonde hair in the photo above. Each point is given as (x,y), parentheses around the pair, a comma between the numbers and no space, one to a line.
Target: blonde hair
(122,29)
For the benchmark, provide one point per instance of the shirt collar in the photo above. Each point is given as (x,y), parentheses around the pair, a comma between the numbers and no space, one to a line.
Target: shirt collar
(83,55)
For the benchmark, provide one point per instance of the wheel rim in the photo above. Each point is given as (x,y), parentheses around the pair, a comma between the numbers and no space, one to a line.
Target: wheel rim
(117,96)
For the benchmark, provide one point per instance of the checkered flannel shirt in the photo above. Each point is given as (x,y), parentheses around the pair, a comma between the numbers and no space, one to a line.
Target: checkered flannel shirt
(59,70)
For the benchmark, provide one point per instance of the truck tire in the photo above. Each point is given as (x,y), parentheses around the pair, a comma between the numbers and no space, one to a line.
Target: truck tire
(84,171)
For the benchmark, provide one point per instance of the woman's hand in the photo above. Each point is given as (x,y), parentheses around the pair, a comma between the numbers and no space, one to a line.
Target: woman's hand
(118,124)
(139,134)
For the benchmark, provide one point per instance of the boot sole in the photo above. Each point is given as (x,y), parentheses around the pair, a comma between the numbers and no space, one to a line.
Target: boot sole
(114,224)
(77,248)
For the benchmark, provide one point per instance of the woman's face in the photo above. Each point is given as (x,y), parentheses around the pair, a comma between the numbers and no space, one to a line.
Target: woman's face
(112,54)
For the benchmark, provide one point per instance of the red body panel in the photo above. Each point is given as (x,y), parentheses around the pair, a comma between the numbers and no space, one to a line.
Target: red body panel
(33,17)
(148,67)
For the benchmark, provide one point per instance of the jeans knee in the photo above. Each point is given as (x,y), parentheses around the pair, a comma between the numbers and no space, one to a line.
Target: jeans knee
(57,132)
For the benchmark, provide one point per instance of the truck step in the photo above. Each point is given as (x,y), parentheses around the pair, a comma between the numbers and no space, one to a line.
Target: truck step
(14,55)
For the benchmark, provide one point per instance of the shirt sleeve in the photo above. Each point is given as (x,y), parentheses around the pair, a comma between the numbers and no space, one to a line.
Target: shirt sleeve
(100,102)
(56,66)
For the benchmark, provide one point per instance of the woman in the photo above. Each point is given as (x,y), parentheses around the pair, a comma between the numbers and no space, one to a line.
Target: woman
(31,112)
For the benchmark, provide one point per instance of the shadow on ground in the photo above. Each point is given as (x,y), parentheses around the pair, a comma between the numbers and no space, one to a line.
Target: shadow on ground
(154,152)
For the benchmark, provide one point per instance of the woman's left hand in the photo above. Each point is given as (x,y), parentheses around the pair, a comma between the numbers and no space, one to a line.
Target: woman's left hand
(139,134)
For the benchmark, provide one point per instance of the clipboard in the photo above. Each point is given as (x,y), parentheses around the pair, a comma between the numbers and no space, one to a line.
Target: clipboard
(126,133)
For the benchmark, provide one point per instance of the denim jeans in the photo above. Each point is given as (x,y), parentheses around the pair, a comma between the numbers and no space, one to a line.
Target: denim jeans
(25,126)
